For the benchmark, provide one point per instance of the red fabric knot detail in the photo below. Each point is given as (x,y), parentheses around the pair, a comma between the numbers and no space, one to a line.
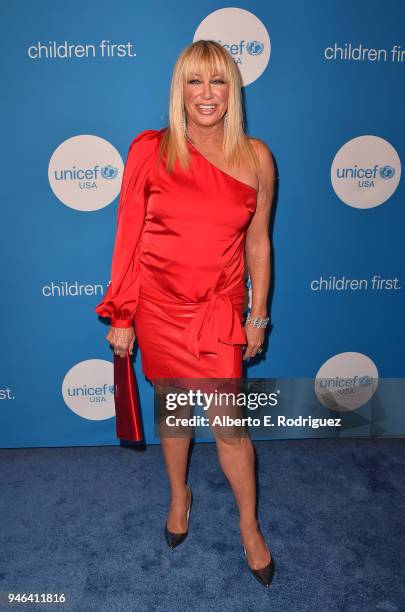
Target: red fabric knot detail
(215,329)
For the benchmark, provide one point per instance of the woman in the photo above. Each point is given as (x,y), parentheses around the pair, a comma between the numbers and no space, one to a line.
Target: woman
(195,200)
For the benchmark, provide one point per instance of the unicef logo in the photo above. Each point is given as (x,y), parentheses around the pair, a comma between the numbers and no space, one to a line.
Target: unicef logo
(109,172)
(88,389)
(255,47)
(356,177)
(346,381)
(243,35)
(85,172)
(387,172)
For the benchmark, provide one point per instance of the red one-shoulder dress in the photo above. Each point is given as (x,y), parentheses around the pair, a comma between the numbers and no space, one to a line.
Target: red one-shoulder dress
(178,269)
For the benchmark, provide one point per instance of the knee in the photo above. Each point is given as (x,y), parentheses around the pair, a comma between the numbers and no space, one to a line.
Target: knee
(235,443)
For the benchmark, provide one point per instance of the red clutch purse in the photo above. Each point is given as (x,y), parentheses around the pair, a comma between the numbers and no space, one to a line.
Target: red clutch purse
(127,411)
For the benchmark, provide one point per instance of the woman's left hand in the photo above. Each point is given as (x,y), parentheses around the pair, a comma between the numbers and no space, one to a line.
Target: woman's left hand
(255,338)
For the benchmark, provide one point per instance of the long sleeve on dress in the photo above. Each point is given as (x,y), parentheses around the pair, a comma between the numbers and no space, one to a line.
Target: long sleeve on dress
(121,298)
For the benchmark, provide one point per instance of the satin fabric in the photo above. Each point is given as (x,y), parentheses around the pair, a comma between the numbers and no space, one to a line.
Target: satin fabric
(128,423)
(178,263)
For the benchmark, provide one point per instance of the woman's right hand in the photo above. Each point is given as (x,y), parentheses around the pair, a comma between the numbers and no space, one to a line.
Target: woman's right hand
(122,339)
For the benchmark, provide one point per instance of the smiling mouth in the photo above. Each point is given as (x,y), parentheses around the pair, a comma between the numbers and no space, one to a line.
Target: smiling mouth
(206,109)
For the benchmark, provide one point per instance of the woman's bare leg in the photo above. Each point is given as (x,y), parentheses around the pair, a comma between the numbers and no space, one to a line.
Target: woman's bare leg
(236,458)
(175,454)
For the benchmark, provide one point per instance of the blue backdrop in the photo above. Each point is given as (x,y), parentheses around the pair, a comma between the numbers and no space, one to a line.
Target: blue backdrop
(324,88)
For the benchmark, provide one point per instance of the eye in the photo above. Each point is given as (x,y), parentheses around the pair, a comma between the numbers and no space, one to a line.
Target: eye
(216,81)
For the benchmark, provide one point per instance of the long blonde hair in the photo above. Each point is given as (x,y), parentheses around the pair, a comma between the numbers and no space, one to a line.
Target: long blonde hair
(207,55)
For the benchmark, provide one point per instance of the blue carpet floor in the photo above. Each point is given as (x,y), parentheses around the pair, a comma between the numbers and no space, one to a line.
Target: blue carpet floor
(88,522)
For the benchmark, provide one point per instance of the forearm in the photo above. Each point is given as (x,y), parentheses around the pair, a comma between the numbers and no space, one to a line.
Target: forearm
(258,263)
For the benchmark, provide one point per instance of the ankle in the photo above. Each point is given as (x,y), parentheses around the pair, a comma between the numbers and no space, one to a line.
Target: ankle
(248,524)
(179,494)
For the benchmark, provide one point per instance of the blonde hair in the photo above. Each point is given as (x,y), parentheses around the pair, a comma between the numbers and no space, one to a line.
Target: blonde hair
(207,55)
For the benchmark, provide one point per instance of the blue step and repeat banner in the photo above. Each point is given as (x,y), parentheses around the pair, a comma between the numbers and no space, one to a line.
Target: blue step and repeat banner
(323,87)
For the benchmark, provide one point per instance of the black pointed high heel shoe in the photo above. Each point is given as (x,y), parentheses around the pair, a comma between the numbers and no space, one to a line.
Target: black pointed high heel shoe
(264,574)
(174,539)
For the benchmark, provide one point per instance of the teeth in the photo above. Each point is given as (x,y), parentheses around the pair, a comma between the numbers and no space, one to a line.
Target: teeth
(206,106)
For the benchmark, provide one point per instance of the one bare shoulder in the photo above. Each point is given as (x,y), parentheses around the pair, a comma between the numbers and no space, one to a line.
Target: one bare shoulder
(266,175)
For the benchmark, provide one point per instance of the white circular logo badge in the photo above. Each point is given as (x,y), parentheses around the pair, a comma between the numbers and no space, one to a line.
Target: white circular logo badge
(243,35)
(346,381)
(365,172)
(88,389)
(85,172)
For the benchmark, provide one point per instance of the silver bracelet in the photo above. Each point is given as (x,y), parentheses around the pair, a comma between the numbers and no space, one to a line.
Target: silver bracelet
(257,321)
